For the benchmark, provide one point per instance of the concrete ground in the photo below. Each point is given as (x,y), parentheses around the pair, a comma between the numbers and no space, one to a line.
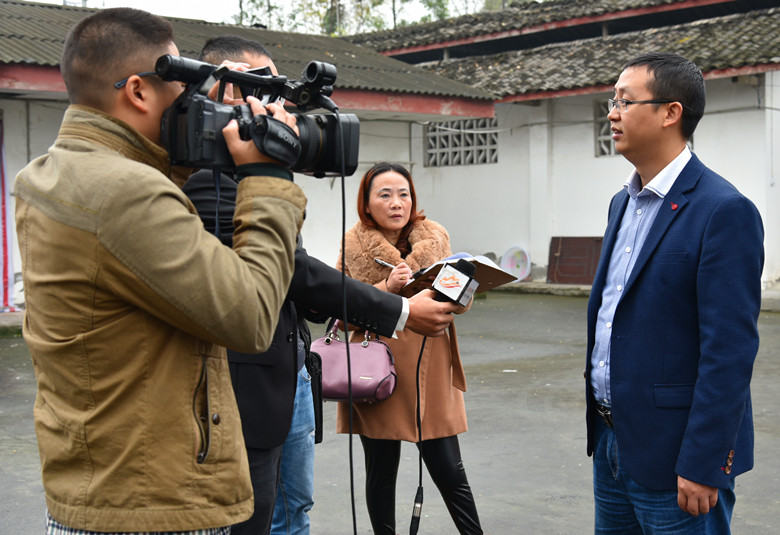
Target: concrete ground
(524,453)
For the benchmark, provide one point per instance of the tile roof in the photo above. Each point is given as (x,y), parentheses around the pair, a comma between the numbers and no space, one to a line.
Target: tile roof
(517,17)
(33,34)
(729,42)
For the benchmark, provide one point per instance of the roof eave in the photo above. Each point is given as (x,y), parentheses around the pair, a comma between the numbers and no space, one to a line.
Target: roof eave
(576,91)
(21,78)
(552,25)
(414,104)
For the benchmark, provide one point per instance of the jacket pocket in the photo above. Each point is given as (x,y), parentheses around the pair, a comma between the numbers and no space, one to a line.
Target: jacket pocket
(673,396)
(204,352)
(200,411)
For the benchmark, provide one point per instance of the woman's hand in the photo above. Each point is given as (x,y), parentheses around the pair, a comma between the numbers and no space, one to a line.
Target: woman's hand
(398,277)
(426,282)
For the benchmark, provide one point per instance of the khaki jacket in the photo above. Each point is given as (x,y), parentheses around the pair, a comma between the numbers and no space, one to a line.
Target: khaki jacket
(129,302)
(442,380)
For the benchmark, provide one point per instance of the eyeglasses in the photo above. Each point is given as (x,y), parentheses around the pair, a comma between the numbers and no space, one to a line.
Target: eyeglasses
(622,104)
(121,83)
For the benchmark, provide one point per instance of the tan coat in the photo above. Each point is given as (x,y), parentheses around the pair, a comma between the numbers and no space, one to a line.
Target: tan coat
(129,301)
(442,381)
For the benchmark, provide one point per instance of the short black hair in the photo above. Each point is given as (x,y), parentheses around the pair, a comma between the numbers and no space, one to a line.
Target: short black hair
(107,46)
(230,47)
(675,78)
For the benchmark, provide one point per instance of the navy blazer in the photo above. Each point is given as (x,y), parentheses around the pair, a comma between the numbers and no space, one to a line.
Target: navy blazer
(685,335)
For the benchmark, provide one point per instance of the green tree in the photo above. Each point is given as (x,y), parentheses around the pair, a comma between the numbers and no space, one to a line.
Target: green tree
(345,17)
(437,9)
(367,15)
(396,8)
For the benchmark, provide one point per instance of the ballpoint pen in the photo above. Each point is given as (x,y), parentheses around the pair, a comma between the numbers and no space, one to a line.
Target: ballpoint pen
(383,263)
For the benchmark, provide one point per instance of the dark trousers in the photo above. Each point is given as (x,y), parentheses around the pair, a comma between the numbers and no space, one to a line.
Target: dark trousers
(264,469)
(443,460)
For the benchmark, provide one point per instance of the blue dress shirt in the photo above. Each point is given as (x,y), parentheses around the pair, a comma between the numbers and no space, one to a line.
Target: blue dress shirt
(642,207)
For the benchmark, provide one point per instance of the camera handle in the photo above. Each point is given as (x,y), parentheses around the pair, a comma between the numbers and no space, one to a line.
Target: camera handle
(272,137)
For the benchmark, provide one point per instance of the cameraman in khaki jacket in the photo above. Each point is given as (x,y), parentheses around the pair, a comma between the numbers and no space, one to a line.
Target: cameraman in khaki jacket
(130,300)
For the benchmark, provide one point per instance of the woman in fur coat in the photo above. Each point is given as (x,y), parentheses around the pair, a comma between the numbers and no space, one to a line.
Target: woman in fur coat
(391,229)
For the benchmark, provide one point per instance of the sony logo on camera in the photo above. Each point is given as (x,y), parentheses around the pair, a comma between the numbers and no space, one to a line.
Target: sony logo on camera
(287,138)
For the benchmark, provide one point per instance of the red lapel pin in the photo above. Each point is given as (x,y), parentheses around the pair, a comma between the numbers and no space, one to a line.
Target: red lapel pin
(674,206)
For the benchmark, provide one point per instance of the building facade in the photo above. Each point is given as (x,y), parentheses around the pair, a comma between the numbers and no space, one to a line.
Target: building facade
(501,117)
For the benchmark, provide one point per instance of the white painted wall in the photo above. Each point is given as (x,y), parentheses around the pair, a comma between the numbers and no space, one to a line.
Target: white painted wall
(738,139)
(547,181)
(484,207)
(771,159)
(29,128)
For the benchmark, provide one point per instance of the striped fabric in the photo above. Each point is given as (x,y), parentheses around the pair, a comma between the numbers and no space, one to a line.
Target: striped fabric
(55,528)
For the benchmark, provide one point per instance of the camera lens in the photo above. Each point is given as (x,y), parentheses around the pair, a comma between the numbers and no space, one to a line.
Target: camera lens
(322,150)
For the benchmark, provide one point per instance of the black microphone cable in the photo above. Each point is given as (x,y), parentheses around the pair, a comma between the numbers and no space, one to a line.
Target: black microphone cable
(217,175)
(462,266)
(344,310)
(414,525)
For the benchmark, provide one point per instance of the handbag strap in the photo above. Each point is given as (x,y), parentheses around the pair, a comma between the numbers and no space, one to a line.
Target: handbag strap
(333,334)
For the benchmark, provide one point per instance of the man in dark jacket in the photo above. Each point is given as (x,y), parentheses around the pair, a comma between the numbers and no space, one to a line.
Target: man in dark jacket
(273,388)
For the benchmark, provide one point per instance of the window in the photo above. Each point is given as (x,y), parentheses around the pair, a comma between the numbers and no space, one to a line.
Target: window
(468,142)
(605,146)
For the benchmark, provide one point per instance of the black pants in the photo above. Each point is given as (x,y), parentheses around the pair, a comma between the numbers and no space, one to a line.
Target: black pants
(264,469)
(443,460)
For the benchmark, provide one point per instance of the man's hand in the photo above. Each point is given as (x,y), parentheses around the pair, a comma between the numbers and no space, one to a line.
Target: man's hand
(695,498)
(228,96)
(245,152)
(429,317)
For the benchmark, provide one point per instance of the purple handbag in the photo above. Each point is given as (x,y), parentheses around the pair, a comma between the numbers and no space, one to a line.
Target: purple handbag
(373,370)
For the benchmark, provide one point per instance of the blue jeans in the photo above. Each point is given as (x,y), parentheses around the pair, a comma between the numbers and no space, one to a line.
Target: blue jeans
(625,507)
(295,496)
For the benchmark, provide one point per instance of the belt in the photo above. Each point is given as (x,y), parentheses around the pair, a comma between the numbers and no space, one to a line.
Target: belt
(605,413)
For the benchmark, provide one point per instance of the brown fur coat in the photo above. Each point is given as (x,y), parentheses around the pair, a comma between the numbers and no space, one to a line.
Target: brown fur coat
(428,239)
(442,380)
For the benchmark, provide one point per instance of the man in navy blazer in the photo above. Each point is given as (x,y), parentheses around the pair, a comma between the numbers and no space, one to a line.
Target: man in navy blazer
(672,319)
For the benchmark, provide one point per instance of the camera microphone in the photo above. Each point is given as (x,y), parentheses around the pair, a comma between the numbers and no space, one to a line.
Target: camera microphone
(456,283)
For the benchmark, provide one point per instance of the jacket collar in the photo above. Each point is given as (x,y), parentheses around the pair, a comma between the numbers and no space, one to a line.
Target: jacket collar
(91,125)
(674,204)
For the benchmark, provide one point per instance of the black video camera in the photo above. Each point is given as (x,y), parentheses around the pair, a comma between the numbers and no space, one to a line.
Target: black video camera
(191,128)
